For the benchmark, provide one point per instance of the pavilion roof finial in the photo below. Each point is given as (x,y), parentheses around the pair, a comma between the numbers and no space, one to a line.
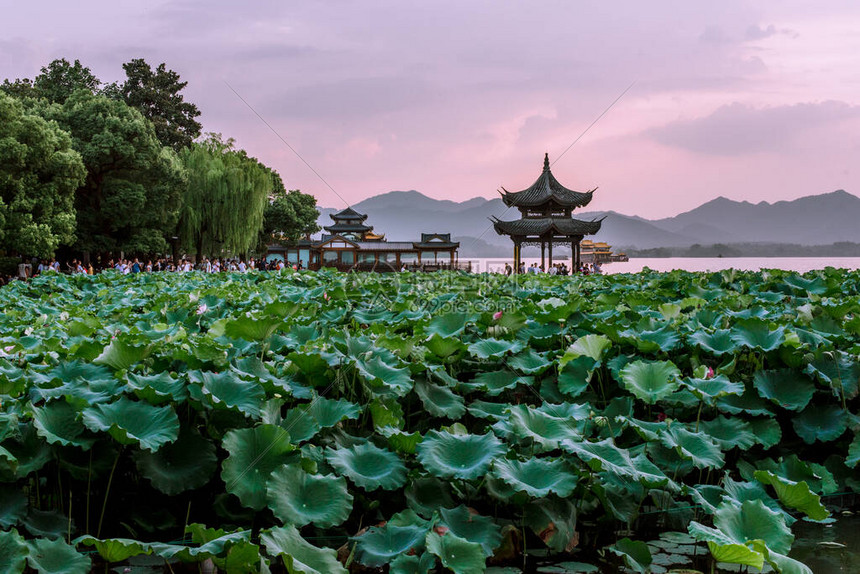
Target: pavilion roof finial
(546,162)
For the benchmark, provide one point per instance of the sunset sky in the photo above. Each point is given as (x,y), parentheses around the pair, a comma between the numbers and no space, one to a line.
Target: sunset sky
(749,100)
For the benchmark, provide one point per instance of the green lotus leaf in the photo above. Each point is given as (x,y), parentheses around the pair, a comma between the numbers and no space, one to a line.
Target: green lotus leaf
(426,495)
(494,348)
(747,403)
(58,422)
(406,564)
(473,527)
(46,523)
(485,410)
(711,389)
(554,521)
(794,494)
(242,558)
(756,334)
(839,370)
(537,477)
(448,325)
(730,433)
(528,362)
(380,545)
(651,381)
(789,389)
(218,543)
(187,463)
(663,339)
(82,393)
(717,343)
(575,375)
(231,391)
(13,506)
(494,383)
(635,554)
(605,456)
(328,412)
(851,461)
(785,565)
(386,412)
(391,381)
(157,389)
(767,431)
(301,424)
(115,549)
(457,554)
(368,466)
(695,446)
(820,423)
(725,549)
(544,429)
(406,443)
(130,421)
(13,552)
(252,328)
(592,346)
(443,348)
(466,456)
(253,454)
(25,453)
(299,498)
(440,401)
(299,555)
(121,355)
(56,557)
(752,520)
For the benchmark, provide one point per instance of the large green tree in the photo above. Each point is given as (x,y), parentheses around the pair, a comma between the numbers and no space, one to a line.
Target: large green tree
(60,79)
(156,94)
(39,173)
(223,205)
(131,198)
(289,215)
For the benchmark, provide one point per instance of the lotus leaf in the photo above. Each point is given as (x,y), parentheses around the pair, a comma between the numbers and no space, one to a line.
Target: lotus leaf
(252,328)
(121,355)
(328,412)
(717,343)
(459,456)
(592,346)
(544,429)
(711,389)
(391,381)
(444,348)
(234,393)
(605,456)
(253,454)
(115,549)
(794,494)
(217,545)
(56,557)
(130,421)
(756,334)
(59,423)
(299,498)
(157,389)
(820,423)
(651,381)
(13,552)
(440,401)
(496,382)
(369,466)
(537,477)
(635,553)
(788,389)
(494,348)
(448,325)
(299,555)
(528,362)
(187,463)
(379,545)
(695,446)
(471,526)
(554,521)
(300,424)
(13,506)
(457,554)
(731,433)
(426,495)
(405,564)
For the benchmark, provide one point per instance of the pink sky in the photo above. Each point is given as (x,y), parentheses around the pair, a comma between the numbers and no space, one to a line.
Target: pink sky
(749,100)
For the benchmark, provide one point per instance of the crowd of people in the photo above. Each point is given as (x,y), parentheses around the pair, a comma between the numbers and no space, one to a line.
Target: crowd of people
(555,269)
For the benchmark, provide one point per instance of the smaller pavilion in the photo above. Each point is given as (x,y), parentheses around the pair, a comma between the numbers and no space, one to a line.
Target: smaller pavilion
(546,209)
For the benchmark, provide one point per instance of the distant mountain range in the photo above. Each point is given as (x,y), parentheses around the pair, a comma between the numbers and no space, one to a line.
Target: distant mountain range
(812,220)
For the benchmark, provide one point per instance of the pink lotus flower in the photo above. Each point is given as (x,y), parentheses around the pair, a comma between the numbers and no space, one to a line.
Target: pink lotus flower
(202,309)
(710,373)
(325,296)
(497,315)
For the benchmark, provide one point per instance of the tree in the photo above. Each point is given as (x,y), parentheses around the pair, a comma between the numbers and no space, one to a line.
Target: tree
(20,88)
(131,198)
(39,173)
(156,95)
(289,216)
(60,79)
(222,209)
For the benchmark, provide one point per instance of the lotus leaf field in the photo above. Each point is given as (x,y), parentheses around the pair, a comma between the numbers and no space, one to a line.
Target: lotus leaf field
(407,423)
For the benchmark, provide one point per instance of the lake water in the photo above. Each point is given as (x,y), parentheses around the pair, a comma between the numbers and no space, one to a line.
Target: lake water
(801,264)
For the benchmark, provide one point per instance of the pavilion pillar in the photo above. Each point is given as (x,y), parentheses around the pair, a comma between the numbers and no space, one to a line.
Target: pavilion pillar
(543,254)
(516,256)
(549,252)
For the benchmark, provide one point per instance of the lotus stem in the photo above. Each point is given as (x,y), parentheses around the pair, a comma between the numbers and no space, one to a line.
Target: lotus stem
(107,493)
(89,482)
(69,535)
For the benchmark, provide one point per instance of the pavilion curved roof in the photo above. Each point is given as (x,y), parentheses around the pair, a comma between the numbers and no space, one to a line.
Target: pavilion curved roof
(543,225)
(545,190)
(348,214)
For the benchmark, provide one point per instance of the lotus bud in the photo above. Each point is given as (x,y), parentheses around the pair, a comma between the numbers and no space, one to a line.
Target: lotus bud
(710,373)
(202,309)
(497,315)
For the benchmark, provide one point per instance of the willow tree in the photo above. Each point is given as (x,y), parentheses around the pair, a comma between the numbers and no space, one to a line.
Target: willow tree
(227,193)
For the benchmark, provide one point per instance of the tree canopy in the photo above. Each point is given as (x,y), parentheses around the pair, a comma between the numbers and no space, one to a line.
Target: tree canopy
(39,173)
(60,79)
(224,200)
(131,198)
(289,215)
(156,94)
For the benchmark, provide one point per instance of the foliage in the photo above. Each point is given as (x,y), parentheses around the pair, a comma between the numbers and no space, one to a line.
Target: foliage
(156,95)
(299,412)
(39,173)
(224,200)
(131,197)
(60,79)
(289,215)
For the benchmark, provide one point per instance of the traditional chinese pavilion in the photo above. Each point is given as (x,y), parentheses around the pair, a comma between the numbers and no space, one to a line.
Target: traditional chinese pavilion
(351,244)
(546,219)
